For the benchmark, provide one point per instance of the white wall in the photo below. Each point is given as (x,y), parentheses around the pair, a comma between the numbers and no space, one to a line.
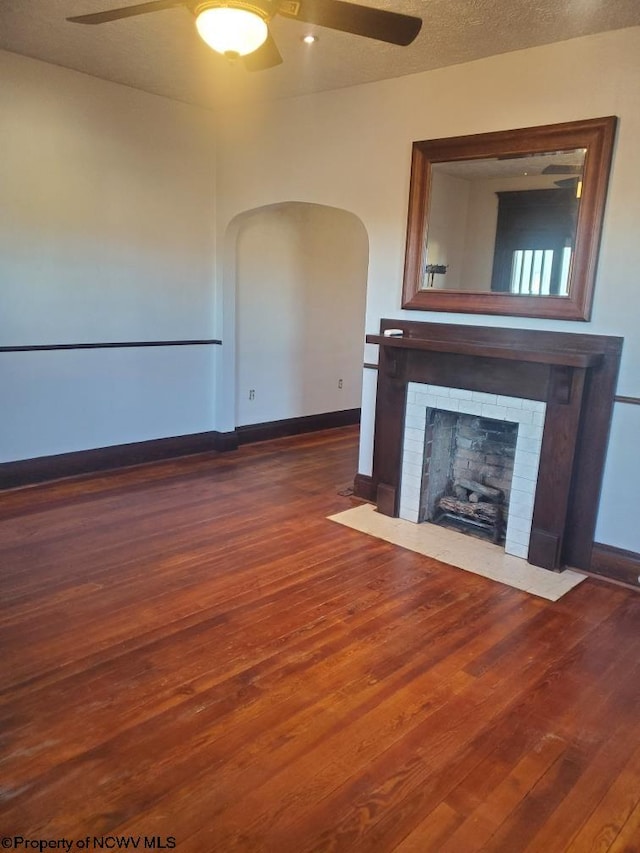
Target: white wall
(301,276)
(448,212)
(351,149)
(80,399)
(106,234)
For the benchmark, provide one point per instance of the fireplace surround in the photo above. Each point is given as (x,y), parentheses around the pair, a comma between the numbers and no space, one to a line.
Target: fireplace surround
(574,375)
(501,443)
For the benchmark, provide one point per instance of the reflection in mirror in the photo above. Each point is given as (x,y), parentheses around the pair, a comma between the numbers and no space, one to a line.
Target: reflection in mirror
(505,225)
(508,222)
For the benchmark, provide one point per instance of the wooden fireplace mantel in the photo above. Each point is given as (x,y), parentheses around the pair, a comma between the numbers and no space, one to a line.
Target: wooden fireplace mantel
(575,374)
(566,357)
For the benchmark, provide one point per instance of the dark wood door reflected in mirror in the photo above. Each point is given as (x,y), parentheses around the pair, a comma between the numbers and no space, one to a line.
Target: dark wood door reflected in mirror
(508,222)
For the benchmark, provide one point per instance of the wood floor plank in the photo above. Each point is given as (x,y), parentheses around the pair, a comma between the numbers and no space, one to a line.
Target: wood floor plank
(191,649)
(628,839)
(618,802)
(429,835)
(475,833)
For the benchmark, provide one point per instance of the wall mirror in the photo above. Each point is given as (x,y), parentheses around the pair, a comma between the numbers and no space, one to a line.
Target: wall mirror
(508,222)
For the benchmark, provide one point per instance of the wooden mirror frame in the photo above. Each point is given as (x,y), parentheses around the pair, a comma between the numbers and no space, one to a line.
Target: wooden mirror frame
(595,135)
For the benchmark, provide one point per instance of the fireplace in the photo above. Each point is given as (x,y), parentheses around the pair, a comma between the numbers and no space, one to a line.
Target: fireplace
(470,459)
(555,389)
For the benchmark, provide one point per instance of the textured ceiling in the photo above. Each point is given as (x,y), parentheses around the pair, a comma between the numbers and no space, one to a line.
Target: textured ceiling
(162,53)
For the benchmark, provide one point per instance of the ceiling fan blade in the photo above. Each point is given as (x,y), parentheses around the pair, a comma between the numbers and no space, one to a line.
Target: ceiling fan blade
(380,24)
(567,182)
(266,56)
(558,169)
(126,12)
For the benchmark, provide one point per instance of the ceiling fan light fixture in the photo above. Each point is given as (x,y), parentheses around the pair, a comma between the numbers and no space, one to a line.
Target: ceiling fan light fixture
(232,30)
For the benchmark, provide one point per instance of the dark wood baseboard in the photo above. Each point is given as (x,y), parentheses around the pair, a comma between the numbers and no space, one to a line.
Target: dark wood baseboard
(26,472)
(363,488)
(615,564)
(294,426)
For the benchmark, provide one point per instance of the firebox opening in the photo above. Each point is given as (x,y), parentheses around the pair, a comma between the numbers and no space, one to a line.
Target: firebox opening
(468,469)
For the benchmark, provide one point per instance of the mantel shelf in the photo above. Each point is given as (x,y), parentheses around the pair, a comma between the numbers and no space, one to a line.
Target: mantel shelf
(564,357)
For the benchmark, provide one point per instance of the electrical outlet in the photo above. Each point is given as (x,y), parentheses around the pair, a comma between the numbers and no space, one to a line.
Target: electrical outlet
(252,394)
(339,383)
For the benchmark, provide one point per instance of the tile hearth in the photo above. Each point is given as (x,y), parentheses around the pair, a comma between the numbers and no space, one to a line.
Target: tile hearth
(461,551)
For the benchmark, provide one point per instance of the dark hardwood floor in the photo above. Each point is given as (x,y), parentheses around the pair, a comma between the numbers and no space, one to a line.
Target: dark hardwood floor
(191,651)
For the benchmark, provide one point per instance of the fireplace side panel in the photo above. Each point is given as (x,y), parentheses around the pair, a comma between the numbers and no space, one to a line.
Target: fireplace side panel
(438,454)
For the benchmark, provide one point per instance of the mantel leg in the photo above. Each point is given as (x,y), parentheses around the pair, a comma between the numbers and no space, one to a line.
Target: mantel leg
(389,429)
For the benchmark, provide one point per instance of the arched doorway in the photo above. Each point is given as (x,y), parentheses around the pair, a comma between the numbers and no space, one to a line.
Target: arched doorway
(300,277)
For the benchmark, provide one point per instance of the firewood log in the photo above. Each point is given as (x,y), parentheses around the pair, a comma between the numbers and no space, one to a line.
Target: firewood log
(474,486)
(481,511)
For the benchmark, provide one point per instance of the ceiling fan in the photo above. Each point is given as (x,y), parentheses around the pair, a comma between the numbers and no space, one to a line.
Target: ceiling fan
(574,182)
(239,28)
(562,169)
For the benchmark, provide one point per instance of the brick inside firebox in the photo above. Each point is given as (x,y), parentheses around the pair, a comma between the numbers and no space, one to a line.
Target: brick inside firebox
(460,447)
(485,450)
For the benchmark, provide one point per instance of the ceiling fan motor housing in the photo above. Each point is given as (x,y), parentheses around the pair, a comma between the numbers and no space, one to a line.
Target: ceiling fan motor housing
(265,9)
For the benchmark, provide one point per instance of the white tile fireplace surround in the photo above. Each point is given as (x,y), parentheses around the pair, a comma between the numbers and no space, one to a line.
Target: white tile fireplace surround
(529,415)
